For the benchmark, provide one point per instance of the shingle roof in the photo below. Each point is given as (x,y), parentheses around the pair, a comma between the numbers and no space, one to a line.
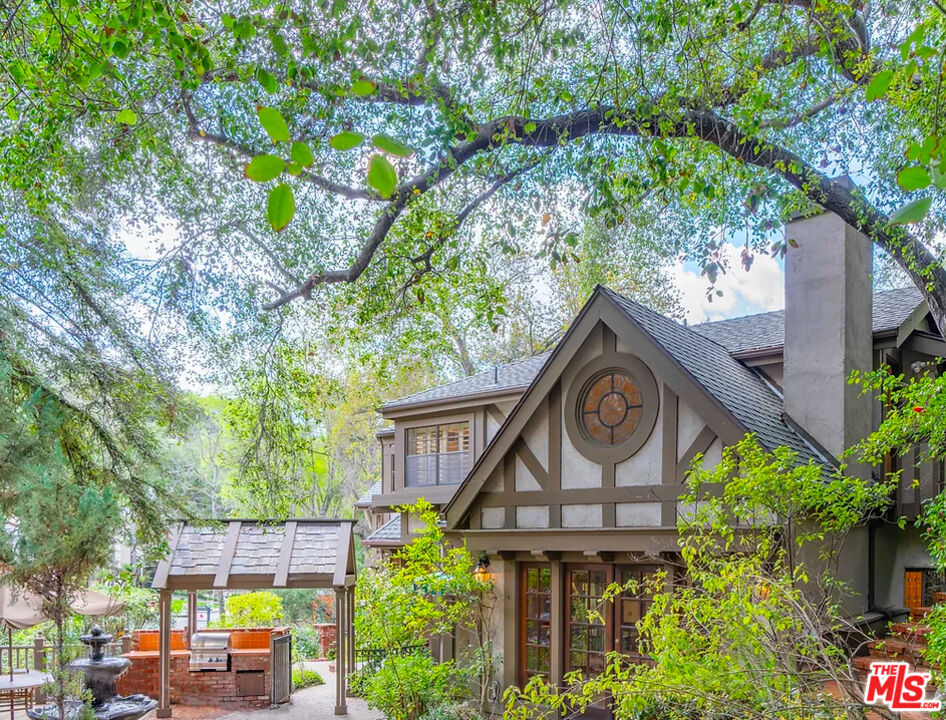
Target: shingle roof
(365,500)
(199,552)
(738,388)
(737,335)
(387,534)
(511,376)
(767,330)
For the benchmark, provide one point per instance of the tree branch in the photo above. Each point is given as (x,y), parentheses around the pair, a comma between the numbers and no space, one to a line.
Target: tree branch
(914,257)
(196,133)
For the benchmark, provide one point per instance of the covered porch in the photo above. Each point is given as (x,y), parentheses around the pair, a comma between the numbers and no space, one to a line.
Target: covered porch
(253,555)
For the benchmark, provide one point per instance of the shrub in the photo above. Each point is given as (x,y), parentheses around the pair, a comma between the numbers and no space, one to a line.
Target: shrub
(255,609)
(305,642)
(303,677)
(408,687)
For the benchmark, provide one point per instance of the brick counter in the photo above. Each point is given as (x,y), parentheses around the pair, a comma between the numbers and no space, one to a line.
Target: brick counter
(206,687)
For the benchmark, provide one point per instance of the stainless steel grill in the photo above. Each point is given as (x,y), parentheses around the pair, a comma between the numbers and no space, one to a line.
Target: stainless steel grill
(210,651)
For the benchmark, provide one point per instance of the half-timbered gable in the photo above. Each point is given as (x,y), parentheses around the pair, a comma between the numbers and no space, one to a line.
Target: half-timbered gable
(602,439)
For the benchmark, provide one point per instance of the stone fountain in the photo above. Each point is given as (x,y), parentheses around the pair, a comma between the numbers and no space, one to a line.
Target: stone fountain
(100,675)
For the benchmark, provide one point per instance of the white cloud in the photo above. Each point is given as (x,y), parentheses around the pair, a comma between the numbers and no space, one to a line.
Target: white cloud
(759,290)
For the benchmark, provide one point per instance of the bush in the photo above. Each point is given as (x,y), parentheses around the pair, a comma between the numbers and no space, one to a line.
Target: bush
(411,686)
(255,609)
(305,642)
(452,711)
(303,677)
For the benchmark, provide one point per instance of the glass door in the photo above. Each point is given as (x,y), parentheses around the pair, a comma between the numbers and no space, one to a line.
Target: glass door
(535,610)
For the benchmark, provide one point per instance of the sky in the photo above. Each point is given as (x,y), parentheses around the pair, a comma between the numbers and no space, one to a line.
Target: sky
(760,289)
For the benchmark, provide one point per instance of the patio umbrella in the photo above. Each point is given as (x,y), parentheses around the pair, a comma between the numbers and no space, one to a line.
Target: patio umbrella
(20,610)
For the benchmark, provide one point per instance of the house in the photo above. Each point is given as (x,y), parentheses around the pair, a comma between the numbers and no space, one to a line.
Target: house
(565,469)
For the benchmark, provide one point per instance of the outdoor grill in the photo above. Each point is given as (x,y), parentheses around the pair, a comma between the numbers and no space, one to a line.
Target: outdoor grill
(210,651)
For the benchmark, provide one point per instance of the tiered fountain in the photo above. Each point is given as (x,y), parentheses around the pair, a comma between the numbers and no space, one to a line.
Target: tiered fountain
(100,676)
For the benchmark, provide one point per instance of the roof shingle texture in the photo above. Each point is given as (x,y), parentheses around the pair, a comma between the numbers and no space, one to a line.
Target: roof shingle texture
(365,500)
(767,330)
(200,549)
(505,377)
(739,389)
(388,533)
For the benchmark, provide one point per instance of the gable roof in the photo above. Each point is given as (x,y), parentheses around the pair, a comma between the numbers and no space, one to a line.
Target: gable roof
(365,500)
(753,402)
(388,534)
(742,400)
(766,331)
(249,554)
(763,331)
(503,378)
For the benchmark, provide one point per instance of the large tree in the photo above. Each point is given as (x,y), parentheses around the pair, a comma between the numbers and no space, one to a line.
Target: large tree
(401,140)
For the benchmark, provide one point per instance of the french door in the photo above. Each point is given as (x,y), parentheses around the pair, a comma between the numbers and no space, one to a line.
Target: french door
(535,621)
(595,627)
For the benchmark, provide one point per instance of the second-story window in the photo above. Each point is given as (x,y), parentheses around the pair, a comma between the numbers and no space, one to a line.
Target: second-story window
(437,454)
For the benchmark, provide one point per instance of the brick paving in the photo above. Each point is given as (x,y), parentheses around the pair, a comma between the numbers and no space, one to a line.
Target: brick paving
(315,703)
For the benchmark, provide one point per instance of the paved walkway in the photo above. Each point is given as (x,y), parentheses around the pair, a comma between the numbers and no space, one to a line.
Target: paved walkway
(314,703)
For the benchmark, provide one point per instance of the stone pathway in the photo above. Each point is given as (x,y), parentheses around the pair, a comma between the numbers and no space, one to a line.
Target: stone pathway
(315,703)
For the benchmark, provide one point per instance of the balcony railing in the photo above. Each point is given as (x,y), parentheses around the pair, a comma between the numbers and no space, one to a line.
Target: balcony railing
(447,468)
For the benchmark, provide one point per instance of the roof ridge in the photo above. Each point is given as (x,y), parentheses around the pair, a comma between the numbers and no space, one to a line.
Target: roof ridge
(666,318)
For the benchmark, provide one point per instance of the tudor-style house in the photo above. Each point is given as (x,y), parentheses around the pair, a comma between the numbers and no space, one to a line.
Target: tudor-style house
(565,468)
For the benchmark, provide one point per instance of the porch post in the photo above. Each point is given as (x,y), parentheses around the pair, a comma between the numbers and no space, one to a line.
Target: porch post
(341,629)
(191,615)
(350,639)
(164,655)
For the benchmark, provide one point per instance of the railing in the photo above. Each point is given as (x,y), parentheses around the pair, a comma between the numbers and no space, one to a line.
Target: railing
(372,658)
(41,654)
(447,468)
(23,658)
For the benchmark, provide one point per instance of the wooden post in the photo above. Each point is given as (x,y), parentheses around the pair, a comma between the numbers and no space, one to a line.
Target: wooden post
(341,628)
(164,661)
(39,664)
(191,615)
(350,639)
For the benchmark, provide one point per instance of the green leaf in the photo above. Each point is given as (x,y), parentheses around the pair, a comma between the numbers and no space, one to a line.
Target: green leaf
(392,146)
(281,207)
(878,86)
(381,175)
(346,140)
(363,88)
(912,212)
(273,123)
(294,169)
(302,154)
(267,80)
(264,168)
(913,178)
(127,117)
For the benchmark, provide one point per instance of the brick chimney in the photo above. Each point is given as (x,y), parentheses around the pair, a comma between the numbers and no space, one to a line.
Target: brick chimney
(828,332)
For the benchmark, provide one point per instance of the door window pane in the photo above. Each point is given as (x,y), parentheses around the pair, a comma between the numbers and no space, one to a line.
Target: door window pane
(535,638)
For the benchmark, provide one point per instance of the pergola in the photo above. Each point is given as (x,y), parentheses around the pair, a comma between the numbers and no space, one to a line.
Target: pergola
(252,554)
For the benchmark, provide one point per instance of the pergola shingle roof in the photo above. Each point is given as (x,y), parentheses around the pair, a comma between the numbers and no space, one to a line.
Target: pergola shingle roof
(247,554)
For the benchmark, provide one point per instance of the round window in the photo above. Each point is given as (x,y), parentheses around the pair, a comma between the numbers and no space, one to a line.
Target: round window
(611,408)
(613,403)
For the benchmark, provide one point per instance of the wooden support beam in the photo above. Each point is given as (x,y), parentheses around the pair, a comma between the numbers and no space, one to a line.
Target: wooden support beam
(341,627)
(285,555)
(164,566)
(532,463)
(226,557)
(344,549)
(699,445)
(164,655)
